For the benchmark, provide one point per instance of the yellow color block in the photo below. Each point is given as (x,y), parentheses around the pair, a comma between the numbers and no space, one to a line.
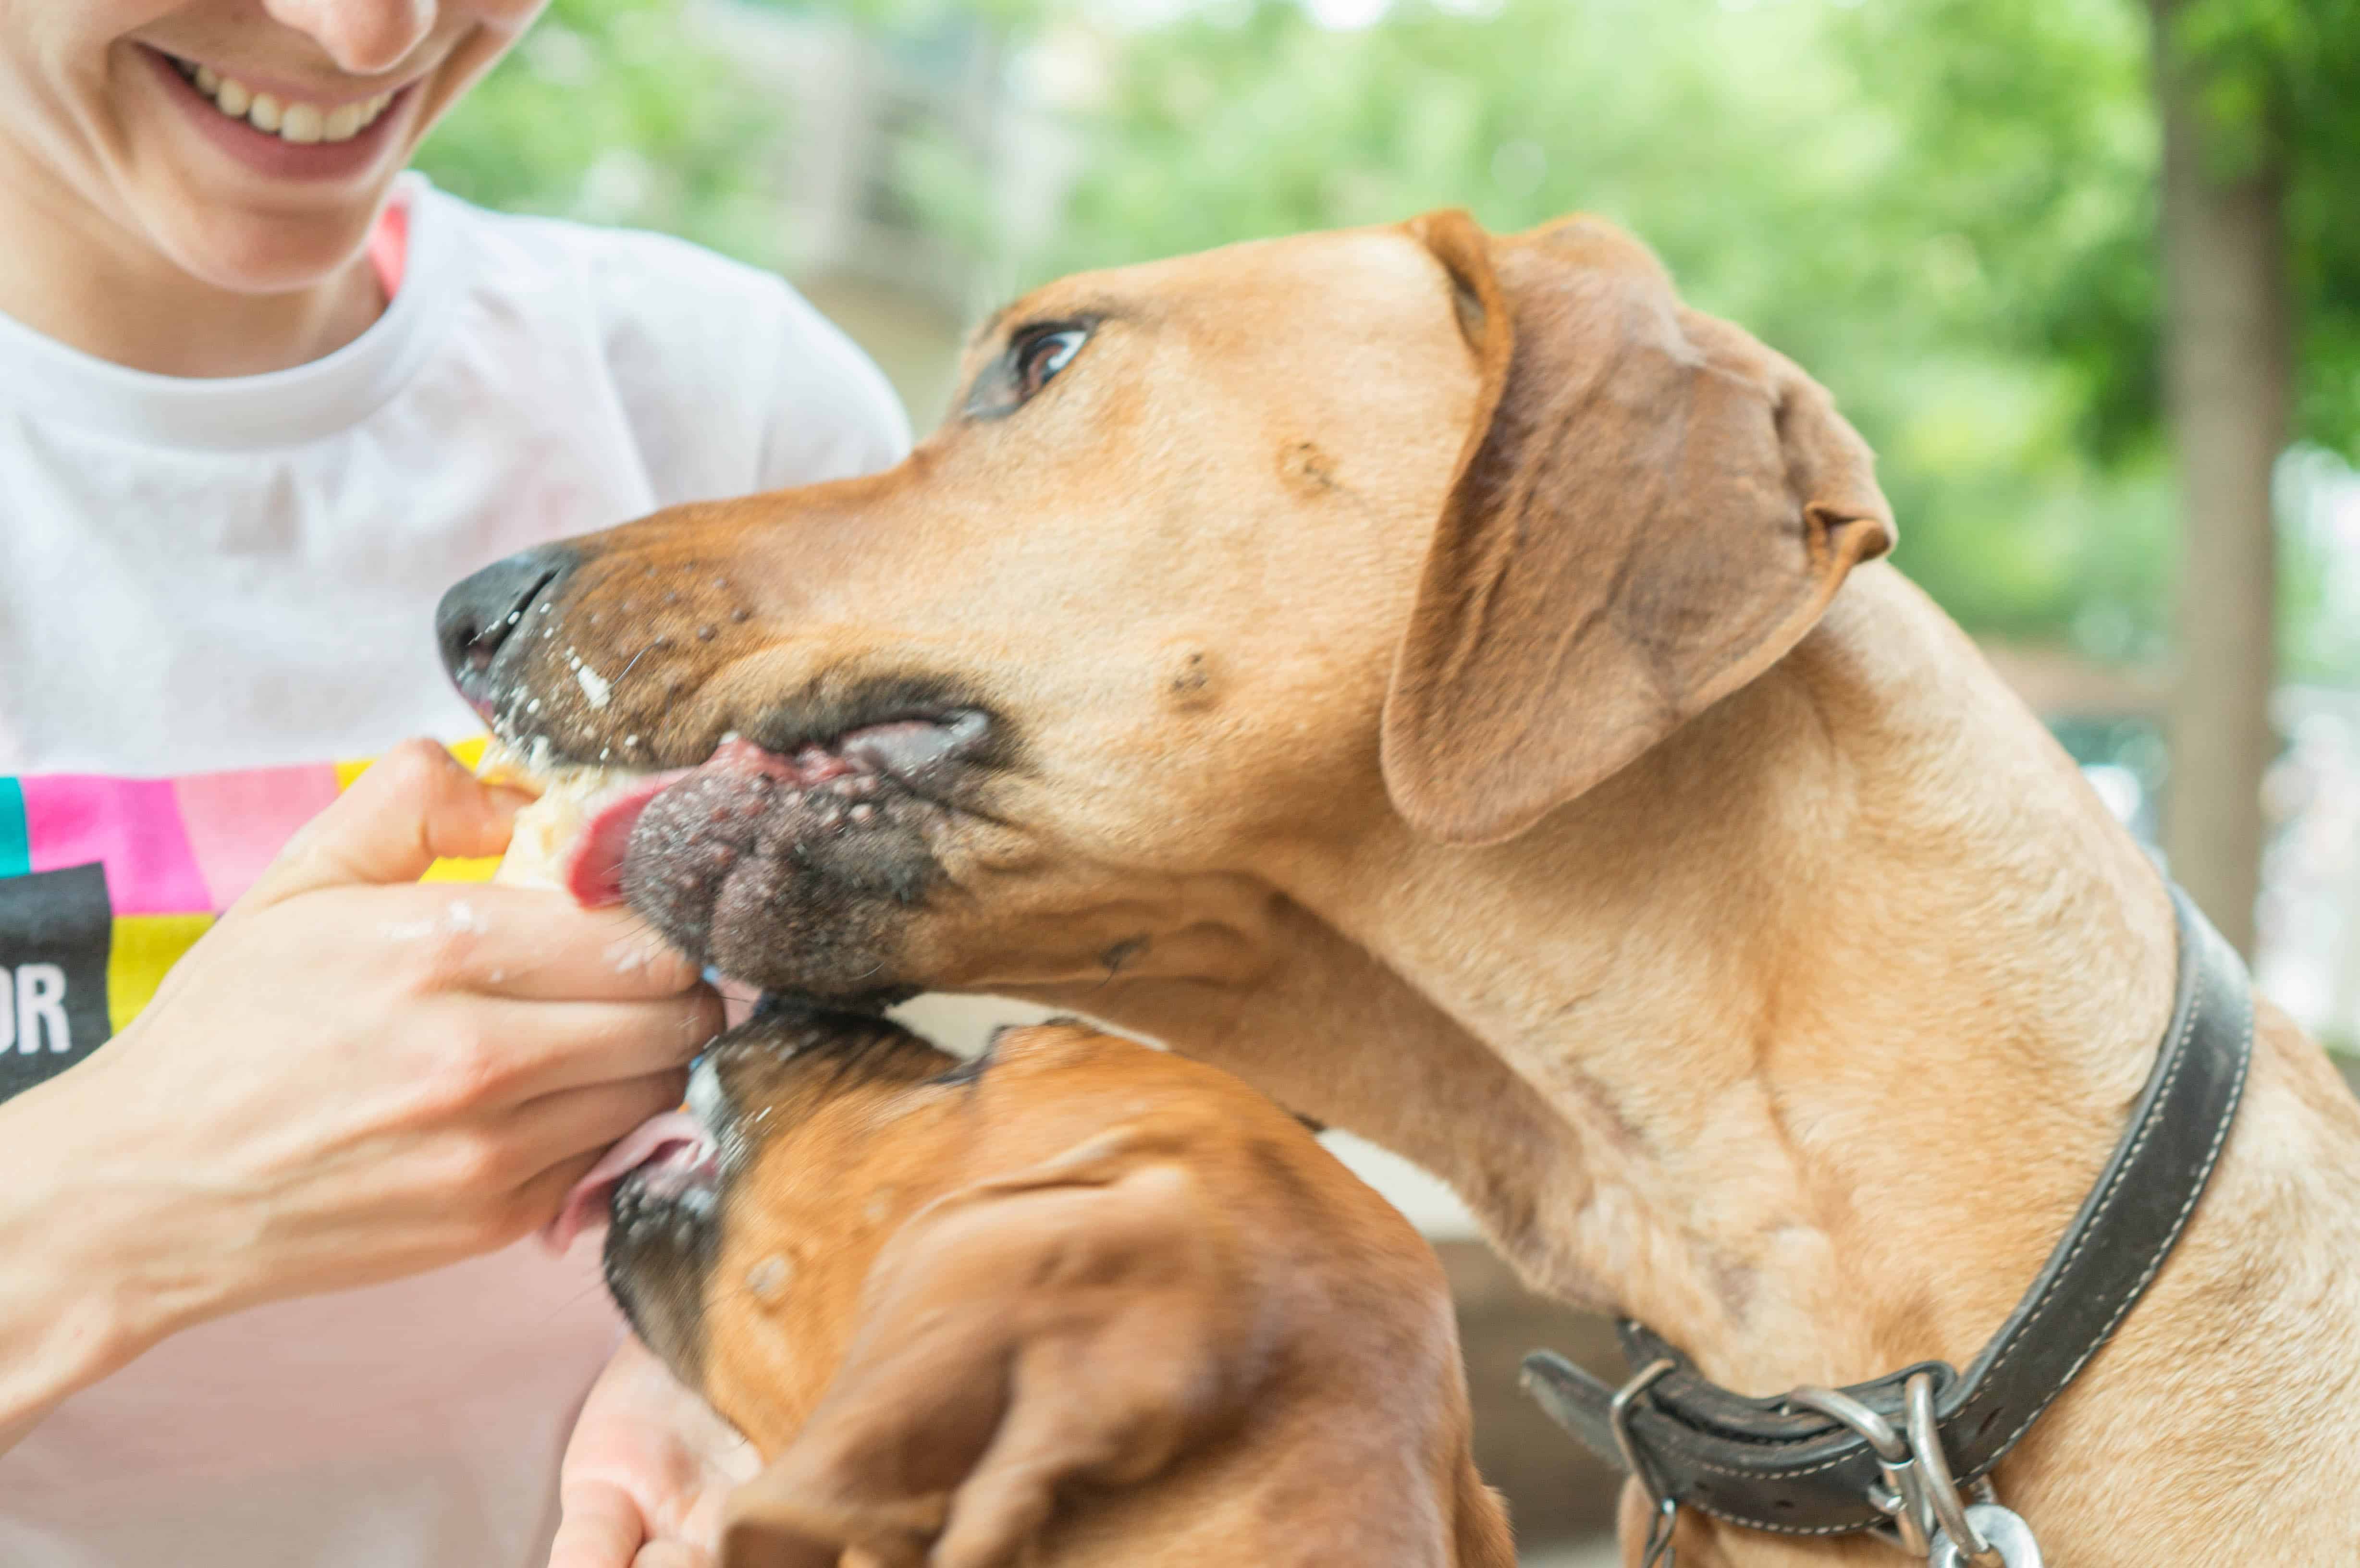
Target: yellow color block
(145,947)
(469,752)
(462,870)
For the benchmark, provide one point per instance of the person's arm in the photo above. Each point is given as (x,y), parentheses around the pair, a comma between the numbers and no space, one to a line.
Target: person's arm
(354,1076)
(79,1296)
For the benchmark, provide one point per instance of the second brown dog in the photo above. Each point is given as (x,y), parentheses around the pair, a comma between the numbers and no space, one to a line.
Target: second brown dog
(1079,1302)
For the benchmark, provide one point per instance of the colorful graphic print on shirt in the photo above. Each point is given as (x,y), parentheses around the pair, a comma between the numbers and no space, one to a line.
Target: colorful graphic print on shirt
(106,882)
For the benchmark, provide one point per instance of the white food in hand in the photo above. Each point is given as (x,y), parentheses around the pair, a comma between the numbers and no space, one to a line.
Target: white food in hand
(548,827)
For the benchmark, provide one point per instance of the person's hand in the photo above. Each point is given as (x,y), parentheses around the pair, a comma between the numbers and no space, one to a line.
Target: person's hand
(646,1471)
(356,1076)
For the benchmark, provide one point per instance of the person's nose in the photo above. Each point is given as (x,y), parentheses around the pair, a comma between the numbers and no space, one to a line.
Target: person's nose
(365,38)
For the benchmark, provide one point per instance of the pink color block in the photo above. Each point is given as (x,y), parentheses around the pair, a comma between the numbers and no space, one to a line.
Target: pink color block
(131,824)
(237,823)
(388,246)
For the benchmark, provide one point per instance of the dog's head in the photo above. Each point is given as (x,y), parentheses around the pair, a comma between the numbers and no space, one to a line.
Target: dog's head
(934,1294)
(1214,556)
(787,1118)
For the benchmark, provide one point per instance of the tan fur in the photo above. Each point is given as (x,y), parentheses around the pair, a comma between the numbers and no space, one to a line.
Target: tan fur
(1799,1033)
(1102,1305)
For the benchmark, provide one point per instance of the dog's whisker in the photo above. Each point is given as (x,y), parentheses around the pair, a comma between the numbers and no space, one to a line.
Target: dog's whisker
(633,664)
(572,1302)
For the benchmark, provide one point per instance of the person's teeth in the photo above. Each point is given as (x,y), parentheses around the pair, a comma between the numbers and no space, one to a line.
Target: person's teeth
(300,123)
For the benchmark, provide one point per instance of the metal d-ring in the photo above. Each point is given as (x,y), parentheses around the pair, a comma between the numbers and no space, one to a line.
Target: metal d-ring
(1934,1475)
(1905,1496)
(1664,1510)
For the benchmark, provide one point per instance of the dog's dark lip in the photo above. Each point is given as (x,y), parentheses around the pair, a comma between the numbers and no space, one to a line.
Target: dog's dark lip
(790,1027)
(929,756)
(949,734)
(775,1007)
(669,1217)
(793,1027)
(967,736)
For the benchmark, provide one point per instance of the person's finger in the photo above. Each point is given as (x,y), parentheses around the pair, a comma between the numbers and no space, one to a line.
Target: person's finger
(558,1130)
(672,1554)
(539,1048)
(572,954)
(598,1526)
(414,806)
(527,943)
(539,1200)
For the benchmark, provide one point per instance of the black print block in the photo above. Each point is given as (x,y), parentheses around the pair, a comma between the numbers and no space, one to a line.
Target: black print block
(57,930)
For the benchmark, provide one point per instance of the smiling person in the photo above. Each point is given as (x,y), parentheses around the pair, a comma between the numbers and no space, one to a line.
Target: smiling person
(276,1114)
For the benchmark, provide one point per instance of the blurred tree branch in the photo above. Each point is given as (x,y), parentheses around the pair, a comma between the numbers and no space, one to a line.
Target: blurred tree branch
(2228,354)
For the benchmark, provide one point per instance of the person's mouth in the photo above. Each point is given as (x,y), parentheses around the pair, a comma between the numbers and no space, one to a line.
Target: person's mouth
(289,120)
(250,114)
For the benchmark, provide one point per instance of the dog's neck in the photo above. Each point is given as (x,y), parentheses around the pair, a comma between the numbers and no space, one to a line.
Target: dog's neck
(1800,1040)
(1855,952)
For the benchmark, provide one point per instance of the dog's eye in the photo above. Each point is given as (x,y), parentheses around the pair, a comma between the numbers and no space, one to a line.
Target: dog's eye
(1039,359)
(1034,358)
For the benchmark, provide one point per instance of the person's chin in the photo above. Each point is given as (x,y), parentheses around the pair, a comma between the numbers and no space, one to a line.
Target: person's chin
(235,243)
(226,227)
(244,226)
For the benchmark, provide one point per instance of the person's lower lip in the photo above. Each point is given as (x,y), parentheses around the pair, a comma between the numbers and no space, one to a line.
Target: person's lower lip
(273,156)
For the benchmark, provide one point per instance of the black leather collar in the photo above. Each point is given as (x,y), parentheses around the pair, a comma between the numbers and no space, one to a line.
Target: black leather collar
(1763,1462)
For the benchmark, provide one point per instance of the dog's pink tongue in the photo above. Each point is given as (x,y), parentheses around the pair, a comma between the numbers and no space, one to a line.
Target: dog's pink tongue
(593,860)
(594,863)
(653,1139)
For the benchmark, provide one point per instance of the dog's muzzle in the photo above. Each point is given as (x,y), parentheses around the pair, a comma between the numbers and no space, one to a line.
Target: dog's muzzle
(477,619)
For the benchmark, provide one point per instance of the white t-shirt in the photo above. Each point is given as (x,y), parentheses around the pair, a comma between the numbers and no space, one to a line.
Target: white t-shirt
(215,599)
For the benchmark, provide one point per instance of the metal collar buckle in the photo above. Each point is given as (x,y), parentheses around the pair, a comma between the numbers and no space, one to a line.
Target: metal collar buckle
(1796,1468)
(1662,1508)
(1930,1519)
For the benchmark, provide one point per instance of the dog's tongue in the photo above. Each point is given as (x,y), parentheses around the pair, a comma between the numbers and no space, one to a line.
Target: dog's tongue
(594,863)
(674,1135)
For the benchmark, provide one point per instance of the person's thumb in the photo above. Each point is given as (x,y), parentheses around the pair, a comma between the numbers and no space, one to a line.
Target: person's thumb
(414,806)
(599,1526)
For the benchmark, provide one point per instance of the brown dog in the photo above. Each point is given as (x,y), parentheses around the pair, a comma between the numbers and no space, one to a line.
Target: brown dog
(1078,1301)
(1453,657)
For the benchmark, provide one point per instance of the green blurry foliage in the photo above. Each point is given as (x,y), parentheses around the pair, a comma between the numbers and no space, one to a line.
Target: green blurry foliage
(1944,209)
(618,112)
(2282,80)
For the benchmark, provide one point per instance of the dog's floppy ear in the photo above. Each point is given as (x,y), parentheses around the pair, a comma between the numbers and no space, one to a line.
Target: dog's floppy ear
(1078,1323)
(1650,510)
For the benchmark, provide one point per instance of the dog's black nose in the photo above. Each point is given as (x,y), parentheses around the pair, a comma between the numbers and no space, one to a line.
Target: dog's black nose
(480,613)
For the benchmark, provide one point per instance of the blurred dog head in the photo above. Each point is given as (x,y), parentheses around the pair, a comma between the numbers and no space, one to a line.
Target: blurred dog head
(941,1297)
